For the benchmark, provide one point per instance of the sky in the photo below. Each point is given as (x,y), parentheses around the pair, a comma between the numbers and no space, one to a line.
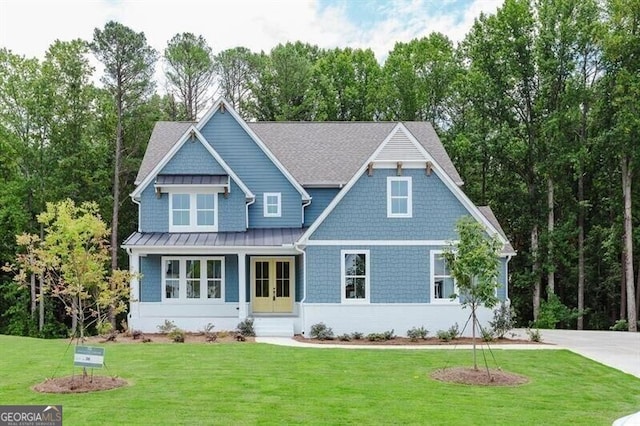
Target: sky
(29,27)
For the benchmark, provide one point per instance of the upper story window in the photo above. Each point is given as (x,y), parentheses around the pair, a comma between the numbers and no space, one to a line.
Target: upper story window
(193,279)
(399,199)
(272,204)
(193,211)
(443,286)
(355,276)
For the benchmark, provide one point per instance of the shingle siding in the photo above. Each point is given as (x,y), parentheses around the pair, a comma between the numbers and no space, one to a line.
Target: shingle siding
(231,278)
(154,212)
(256,170)
(362,213)
(232,215)
(320,199)
(192,158)
(151,281)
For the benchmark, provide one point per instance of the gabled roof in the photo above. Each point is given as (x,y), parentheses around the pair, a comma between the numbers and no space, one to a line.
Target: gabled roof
(488,213)
(315,153)
(329,153)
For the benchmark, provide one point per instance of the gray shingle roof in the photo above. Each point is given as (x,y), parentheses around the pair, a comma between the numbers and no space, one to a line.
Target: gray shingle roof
(315,153)
(262,237)
(488,213)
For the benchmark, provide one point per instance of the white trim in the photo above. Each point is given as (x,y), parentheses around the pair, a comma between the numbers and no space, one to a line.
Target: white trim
(436,168)
(193,210)
(228,108)
(212,250)
(432,290)
(175,148)
(390,197)
(367,277)
(380,242)
(278,205)
(182,280)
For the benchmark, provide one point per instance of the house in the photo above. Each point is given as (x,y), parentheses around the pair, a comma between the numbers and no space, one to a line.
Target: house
(296,223)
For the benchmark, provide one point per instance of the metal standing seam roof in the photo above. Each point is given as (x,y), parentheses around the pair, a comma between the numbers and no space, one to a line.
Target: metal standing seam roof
(315,153)
(192,180)
(263,237)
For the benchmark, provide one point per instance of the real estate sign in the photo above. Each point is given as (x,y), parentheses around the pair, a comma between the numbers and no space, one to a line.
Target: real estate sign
(88,356)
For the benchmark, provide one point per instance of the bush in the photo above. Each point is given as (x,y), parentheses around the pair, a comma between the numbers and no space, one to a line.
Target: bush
(504,320)
(321,332)
(620,325)
(167,327)
(487,335)
(356,335)
(553,311)
(344,337)
(209,334)
(245,327)
(177,335)
(447,335)
(375,337)
(534,335)
(417,333)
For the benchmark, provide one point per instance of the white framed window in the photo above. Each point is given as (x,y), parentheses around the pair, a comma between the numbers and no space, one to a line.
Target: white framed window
(272,204)
(193,279)
(442,283)
(399,197)
(193,211)
(355,272)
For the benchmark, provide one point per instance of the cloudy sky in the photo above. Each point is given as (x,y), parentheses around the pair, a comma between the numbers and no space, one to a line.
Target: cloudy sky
(28,27)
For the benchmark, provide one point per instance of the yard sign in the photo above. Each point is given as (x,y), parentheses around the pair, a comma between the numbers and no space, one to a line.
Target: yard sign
(88,356)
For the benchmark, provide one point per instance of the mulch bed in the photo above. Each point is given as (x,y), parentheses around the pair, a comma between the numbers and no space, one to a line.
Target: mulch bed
(148,338)
(79,384)
(408,342)
(480,377)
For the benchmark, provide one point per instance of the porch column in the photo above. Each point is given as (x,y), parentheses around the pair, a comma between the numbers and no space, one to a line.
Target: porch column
(134,295)
(242,285)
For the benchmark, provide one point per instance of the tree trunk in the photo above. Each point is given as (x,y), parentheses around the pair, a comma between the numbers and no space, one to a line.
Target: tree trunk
(551,285)
(580,250)
(623,286)
(535,267)
(41,305)
(116,200)
(32,286)
(473,336)
(628,243)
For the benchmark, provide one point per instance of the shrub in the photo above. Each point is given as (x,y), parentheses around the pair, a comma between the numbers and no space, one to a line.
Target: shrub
(246,327)
(620,325)
(104,328)
(444,335)
(344,337)
(167,327)
(553,311)
(503,320)
(356,335)
(534,335)
(417,333)
(375,337)
(209,334)
(177,335)
(321,332)
(487,335)
(388,335)
(450,334)
(136,334)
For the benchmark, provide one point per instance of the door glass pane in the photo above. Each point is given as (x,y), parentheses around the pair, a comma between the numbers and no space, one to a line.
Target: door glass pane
(282,279)
(262,279)
(214,279)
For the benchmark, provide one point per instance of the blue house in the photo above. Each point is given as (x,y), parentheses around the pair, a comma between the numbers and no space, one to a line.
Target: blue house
(296,223)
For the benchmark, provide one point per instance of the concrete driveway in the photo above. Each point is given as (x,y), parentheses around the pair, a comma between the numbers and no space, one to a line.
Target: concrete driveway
(617,349)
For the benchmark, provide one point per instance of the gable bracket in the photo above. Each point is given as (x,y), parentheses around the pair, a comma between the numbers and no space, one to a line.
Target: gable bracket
(428,168)
(399,168)
(226,191)
(370,169)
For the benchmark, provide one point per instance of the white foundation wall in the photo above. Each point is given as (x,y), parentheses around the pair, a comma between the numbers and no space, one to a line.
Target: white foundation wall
(377,318)
(146,317)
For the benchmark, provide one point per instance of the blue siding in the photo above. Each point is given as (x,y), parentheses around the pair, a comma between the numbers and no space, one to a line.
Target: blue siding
(299,267)
(231,278)
(320,199)
(232,211)
(502,279)
(154,212)
(435,211)
(255,169)
(151,281)
(192,158)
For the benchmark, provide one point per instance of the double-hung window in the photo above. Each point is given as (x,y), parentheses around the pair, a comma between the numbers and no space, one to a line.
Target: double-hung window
(193,279)
(443,286)
(399,197)
(193,212)
(355,272)
(272,204)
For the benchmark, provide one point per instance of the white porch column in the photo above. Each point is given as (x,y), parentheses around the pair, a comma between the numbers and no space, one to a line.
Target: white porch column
(134,296)
(242,285)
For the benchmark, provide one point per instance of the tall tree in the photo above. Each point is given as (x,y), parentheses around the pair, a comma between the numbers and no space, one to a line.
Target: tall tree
(189,71)
(236,71)
(129,66)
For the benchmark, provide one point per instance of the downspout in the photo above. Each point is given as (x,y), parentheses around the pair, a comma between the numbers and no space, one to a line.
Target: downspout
(506,279)
(304,283)
(304,204)
(253,200)
(139,213)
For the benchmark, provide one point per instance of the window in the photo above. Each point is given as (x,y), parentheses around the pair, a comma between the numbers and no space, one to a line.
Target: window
(193,212)
(193,279)
(355,276)
(443,286)
(272,204)
(399,197)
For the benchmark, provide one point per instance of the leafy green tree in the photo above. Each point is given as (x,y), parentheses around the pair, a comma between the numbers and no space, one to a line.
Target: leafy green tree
(473,263)
(236,71)
(189,71)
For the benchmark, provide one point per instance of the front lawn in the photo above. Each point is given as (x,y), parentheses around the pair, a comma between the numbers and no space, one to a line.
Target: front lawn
(250,383)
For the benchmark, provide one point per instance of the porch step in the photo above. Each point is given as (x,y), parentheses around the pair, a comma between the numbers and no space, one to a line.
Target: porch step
(273,327)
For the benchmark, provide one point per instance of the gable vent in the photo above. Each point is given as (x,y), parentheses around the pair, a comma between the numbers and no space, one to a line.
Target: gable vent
(399,148)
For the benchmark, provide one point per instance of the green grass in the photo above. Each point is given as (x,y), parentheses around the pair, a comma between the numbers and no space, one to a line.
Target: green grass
(202,384)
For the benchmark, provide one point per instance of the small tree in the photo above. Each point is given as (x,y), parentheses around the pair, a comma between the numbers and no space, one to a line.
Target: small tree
(473,262)
(74,258)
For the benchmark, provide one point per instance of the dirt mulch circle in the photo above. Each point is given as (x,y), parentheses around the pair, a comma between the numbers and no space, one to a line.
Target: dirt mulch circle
(79,384)
(405,341)
(480,377)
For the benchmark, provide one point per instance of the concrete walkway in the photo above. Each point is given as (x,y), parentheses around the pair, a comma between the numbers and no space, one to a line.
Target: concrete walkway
(615,349)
